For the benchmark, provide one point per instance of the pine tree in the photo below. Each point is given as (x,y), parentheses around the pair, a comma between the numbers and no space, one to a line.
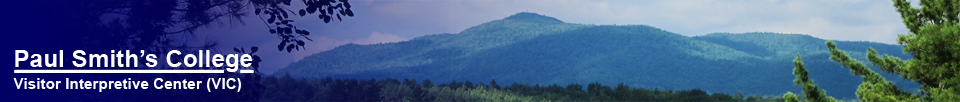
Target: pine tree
(810,90)
(790,97)
(934,42)
(494,84)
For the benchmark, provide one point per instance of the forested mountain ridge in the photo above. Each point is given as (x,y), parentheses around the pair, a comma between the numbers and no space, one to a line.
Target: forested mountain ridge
(764,44)
(535,49)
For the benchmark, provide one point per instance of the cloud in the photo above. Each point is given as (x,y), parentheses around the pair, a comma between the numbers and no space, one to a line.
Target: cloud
(377,37)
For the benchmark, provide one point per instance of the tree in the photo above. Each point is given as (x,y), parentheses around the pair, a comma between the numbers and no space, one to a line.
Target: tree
(291,36)
(162,25)
(426,83)
(790,97)
(494,84)
(934,42)
(810,90)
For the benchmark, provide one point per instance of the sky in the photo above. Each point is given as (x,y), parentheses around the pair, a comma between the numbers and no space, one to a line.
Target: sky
(385,21)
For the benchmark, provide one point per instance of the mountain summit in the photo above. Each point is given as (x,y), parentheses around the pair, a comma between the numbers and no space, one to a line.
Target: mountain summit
(533,17)
(535,49)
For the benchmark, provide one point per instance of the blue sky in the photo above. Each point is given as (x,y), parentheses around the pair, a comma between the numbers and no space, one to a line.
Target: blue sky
(385,21)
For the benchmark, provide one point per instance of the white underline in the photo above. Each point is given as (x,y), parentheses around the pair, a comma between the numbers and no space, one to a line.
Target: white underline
(125,71)
(246,71)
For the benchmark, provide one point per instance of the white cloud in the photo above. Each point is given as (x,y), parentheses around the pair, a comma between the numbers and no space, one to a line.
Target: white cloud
(377,37)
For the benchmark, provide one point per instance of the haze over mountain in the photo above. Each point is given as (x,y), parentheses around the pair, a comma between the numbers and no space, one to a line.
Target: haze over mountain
(536,49)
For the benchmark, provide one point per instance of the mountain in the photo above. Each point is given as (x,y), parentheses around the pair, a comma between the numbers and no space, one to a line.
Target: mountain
(534,49)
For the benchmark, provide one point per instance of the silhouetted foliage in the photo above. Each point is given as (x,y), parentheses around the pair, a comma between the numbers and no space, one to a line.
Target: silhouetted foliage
(277,18)
(163,25)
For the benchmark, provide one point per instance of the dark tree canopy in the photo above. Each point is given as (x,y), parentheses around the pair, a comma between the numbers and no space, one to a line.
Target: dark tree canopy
(277,14)
(162,25)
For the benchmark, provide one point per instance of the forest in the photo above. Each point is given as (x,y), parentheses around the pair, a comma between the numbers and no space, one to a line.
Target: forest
(286,88)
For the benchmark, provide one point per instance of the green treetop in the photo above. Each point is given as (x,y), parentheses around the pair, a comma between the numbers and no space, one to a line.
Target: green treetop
(790,97)
(934,42)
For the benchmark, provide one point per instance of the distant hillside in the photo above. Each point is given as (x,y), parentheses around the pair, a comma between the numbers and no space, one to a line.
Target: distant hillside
(535,49)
